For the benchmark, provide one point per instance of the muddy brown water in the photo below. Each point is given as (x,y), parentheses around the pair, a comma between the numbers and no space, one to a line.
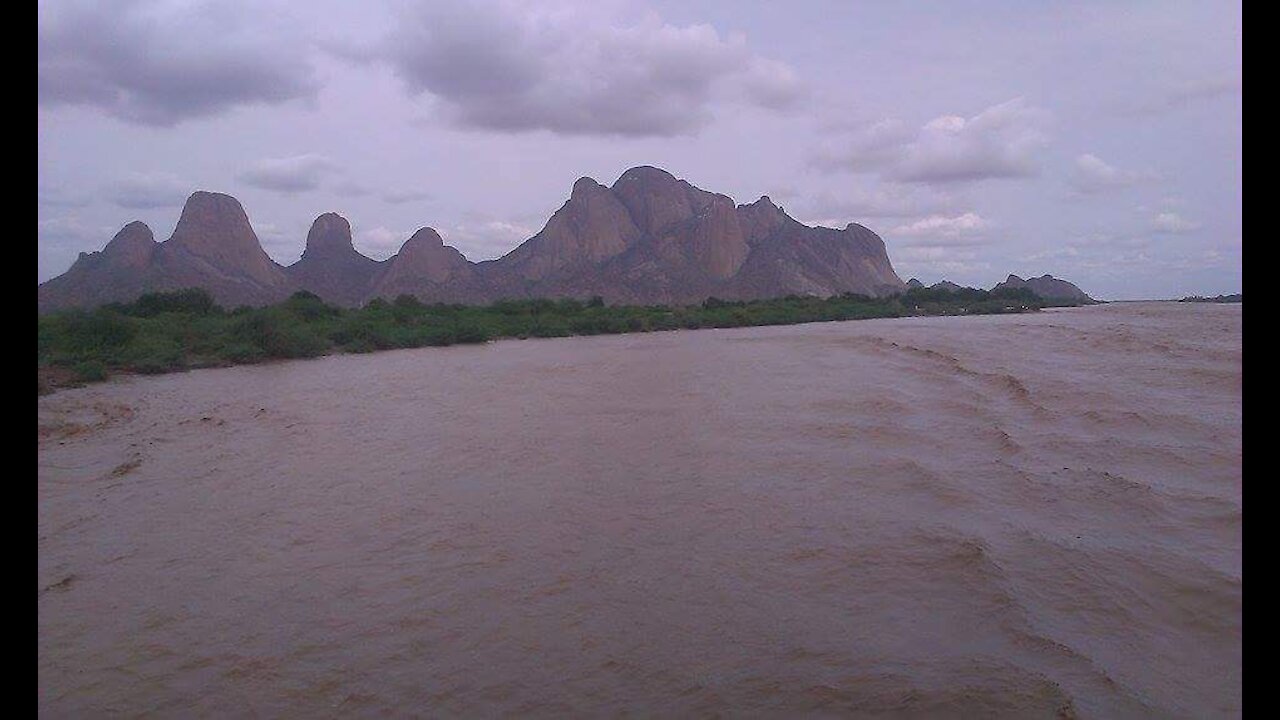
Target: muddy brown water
(1007,516)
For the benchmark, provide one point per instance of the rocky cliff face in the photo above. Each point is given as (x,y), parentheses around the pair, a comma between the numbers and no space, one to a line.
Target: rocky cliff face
(428,269)
(213,247)
(1047,287)
(649,238)
(331,267)
(590,228)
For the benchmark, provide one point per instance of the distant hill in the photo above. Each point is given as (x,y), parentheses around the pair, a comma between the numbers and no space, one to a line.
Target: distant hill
(1047,287)
(650,238)
(1237,298)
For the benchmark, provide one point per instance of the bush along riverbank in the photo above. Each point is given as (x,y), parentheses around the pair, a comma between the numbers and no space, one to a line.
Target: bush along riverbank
(173,331)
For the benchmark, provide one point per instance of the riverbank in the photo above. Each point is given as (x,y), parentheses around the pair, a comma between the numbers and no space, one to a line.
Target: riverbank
(173,332)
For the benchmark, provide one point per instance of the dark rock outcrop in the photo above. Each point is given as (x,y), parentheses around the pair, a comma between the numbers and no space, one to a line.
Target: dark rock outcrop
(1047,287)
(213,247)
(331,267)
(650,238)
(427,268)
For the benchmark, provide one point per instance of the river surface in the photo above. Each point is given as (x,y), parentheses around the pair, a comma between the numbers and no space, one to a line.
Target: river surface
(1006,516)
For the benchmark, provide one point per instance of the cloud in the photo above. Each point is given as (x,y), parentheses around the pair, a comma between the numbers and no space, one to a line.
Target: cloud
(1002,141)
(487,239)
(55,196)
(942,231)
(301,173)
(941,226)
(141,61)
(399,197)
(71,231)
(1177,95)
(380,242)
(1173,223)
(1091,175)
(957,264)
(885,200)
(142,191)
(350,188)
(578,70)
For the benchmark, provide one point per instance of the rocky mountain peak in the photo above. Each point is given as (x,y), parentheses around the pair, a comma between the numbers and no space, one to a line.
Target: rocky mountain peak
(586,187)
(330,234)
(215,228)
(760,219)
(425,238)
(656,200)
(424,256)
(132,246)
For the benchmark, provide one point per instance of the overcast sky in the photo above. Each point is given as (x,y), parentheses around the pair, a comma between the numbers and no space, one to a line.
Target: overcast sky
(1100,142)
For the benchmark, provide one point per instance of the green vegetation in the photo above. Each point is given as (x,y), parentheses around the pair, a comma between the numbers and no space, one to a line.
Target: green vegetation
(166,332)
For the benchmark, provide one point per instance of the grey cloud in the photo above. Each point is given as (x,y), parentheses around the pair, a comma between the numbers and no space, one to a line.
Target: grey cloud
(60,239)
(399,197)
(136,61)
(574,71)
(1003,141)
(1176,95)
(142,191)
(301,173)
(72,231)
(53,196)
(350,188)
(885,200)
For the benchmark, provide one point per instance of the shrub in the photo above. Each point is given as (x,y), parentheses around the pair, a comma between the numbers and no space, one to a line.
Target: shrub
(154,354)
(277,337)
(192,301)
(95,333)
(90,371)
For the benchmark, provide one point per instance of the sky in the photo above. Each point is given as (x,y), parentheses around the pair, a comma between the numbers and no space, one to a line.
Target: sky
(1100,142)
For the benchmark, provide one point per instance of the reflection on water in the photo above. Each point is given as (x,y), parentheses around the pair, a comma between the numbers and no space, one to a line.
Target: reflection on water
(1035,515)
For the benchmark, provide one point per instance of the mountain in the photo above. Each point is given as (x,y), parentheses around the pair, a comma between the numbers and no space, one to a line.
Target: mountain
(649,238)
(1047,287)
(213,247)
(331,267)
(914,284)
(945,285)
(427,268)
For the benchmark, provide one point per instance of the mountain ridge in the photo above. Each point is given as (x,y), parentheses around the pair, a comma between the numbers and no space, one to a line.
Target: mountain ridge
(650,238)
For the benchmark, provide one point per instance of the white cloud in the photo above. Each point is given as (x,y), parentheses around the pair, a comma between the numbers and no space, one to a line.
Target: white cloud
(941,231)
(487,239)
(1002,141)
(380,242)
(1173,223)
(941,226)
(1091,175)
